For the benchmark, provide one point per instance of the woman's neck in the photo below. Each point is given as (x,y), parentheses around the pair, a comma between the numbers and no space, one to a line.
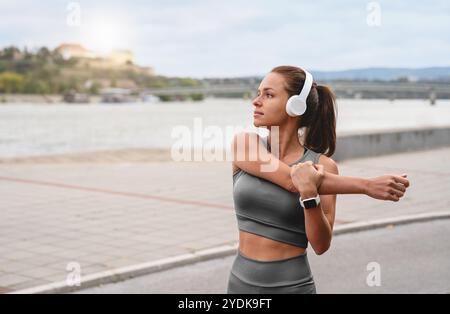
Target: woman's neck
(288,142)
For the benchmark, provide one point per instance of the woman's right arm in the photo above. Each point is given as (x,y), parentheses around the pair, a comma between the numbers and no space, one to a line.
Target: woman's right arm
(250,155)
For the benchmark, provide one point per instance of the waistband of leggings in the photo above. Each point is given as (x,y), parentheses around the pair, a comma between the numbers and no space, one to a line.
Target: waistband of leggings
(273,273)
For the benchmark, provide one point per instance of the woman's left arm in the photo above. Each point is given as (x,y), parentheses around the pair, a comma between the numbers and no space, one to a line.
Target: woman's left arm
(319,221)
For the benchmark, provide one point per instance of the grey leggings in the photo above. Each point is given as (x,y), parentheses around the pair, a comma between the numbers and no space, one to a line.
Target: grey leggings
(285,276)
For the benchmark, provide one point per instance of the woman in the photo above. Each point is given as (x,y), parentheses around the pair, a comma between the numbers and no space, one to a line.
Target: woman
(279,210)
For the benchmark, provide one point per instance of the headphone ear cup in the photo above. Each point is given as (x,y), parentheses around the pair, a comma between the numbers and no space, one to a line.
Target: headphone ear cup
(289,106)
(301,107)
(295,106)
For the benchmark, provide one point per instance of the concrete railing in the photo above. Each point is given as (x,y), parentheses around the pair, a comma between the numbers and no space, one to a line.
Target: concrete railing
(387,142)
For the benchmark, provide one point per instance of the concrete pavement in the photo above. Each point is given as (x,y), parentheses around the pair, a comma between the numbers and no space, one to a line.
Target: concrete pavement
(104,216)
(413,258)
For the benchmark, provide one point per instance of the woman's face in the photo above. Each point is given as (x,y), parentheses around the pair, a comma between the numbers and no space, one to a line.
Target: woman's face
(270,104)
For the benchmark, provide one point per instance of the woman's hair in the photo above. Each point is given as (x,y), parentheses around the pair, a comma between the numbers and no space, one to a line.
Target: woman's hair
(319,120)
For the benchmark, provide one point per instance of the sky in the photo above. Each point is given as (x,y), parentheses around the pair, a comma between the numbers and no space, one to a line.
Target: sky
(209,38)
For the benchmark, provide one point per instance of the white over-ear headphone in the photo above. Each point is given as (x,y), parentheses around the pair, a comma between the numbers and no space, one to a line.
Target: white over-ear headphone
(296,105)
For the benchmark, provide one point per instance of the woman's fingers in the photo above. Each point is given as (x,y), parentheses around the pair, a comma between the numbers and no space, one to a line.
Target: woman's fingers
(396,192)
(402,179)
(399,187)
(388,187)
(307,174)
(320,168)
(394,198)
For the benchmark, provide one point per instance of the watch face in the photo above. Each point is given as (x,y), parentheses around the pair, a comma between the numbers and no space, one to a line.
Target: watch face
(310,203)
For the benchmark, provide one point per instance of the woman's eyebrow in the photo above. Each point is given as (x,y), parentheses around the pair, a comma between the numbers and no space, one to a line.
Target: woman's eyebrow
(267,88)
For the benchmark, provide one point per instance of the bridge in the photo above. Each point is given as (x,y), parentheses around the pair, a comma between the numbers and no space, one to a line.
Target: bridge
(348,89)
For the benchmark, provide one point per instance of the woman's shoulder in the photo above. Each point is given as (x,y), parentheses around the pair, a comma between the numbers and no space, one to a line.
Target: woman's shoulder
(329,164)
(320,158)
(241,145)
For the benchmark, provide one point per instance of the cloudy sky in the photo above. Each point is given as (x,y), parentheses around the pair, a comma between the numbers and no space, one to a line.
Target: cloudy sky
(209,38)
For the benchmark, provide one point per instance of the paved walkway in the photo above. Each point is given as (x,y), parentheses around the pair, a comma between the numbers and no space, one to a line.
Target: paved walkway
(109,215)
(413,258)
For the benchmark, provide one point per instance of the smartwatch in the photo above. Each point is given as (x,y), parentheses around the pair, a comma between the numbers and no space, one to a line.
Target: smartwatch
(310,202)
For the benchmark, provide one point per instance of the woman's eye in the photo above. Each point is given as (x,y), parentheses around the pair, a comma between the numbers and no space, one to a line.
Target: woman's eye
(267,95)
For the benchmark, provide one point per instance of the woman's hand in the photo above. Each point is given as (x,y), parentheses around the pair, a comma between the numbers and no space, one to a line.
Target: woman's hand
(307,177)
(387,187)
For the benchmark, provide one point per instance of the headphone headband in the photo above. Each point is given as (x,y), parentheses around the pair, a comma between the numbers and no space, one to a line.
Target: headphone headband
(306,86)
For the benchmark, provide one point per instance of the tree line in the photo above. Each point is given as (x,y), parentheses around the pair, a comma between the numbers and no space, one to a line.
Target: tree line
(45,71)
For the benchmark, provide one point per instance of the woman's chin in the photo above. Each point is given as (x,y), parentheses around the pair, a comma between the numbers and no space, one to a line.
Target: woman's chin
(257,122)
(259,125)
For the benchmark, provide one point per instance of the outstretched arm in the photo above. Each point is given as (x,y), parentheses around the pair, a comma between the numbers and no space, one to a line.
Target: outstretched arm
(386,187)
(253,159)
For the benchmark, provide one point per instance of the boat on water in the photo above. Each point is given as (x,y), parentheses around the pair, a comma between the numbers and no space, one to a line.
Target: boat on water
(116,95)
(76,98)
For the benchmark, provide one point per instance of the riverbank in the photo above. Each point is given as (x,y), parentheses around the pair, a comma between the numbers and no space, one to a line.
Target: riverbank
(11,99)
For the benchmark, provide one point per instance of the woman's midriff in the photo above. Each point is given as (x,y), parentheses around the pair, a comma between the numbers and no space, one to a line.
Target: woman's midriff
(264,249)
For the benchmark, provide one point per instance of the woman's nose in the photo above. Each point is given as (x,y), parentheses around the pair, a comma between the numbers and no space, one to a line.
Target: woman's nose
(257,101)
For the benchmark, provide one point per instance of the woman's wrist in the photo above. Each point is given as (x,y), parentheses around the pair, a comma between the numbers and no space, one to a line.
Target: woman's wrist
(338,184)
(365,183)
(308,191)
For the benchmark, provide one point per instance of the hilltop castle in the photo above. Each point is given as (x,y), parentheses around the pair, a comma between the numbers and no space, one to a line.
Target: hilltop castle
(117,58)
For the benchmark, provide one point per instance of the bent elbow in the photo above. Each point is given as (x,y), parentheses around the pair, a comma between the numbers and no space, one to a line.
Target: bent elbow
(321,249)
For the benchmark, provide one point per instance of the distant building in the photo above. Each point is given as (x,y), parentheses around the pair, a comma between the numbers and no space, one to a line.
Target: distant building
(118,58)
(121,56)
(69,51)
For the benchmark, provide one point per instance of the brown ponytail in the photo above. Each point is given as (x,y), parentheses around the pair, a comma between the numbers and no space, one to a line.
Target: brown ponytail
(320,116)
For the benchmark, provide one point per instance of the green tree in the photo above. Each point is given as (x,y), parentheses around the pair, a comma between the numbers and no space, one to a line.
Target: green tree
(95,88)
(11,82)
(9,53)
(188,82)
(44,54)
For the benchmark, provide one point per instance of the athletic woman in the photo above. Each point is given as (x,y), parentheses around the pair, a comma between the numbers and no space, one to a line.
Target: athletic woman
(282,209)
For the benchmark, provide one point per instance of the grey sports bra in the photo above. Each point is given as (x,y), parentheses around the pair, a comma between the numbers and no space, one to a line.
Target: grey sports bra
(266,209)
